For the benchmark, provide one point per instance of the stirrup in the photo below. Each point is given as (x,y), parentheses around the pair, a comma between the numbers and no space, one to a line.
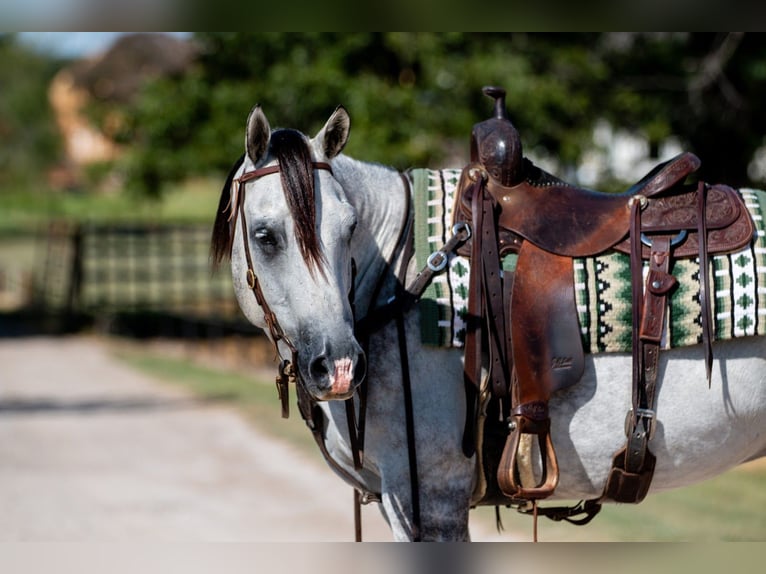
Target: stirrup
(509,472)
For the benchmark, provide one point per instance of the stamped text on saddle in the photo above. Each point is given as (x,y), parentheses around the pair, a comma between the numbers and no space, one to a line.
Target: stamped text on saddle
(526,321)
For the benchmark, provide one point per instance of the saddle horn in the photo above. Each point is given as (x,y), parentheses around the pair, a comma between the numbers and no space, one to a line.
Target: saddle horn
(496,144)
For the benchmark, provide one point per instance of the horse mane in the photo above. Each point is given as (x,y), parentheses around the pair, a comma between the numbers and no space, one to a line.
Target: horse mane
(297,174)
(223,233)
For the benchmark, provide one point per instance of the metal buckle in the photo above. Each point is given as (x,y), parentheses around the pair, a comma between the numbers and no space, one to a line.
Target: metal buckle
(647,415)
(462,230)
(437,261)
(369,497)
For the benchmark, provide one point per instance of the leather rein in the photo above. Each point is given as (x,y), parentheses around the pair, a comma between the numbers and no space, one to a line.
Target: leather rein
(393,310)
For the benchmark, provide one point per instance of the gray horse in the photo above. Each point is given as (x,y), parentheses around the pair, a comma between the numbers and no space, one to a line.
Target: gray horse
(323,235)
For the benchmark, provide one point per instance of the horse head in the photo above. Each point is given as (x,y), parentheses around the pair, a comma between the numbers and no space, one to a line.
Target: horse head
(286,224)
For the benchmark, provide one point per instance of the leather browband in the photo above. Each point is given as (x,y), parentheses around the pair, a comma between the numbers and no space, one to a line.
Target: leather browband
(257,173)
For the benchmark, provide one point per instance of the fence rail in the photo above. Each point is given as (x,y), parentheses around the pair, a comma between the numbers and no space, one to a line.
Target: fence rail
(102,269)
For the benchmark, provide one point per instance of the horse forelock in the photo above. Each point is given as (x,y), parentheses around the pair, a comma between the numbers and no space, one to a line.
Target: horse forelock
(291,150)
(293,155)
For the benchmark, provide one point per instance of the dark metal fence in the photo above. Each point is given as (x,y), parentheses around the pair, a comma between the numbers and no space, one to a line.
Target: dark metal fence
(136,269)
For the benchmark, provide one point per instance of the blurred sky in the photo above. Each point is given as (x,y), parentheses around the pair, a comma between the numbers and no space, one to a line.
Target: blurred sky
(74,44)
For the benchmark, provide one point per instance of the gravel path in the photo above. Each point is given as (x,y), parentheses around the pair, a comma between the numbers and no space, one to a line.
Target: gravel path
(90,451)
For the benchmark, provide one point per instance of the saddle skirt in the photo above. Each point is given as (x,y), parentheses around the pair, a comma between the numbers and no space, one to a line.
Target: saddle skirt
(602,283)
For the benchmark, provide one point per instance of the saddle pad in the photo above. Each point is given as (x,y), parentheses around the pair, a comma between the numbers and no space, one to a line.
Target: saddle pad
(602,283)
(444,303)
(603,294)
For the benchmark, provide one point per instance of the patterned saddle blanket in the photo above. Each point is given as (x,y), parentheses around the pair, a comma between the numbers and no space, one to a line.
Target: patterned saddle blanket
(602,283)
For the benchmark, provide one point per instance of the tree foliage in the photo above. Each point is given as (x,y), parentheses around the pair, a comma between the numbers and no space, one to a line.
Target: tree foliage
(413,97)
(29,142)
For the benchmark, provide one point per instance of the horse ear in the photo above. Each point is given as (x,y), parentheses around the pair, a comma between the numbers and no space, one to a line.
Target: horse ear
(258,134)
(334,135)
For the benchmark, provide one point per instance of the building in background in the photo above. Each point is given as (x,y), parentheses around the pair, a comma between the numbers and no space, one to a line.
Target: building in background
(115,76)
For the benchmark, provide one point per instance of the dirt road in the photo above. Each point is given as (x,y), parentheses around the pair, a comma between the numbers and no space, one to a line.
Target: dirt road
(90,451)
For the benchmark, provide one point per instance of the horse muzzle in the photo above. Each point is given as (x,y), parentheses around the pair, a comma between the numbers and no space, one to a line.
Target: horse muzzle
(333,377)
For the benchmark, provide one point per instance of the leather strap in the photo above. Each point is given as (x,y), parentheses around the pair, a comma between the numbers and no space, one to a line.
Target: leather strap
(439,260)
(486,296)
(473,349)
(633,465)
(276,332)
(260,172)
(643,419)
(314,419)
(407,250)
(706,320)
(475,291)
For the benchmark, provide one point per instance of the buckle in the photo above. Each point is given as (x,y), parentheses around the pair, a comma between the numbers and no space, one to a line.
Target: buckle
(462,230)
(647,416)
(437,261)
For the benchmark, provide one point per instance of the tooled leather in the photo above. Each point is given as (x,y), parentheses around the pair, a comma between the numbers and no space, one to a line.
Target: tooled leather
(729,226)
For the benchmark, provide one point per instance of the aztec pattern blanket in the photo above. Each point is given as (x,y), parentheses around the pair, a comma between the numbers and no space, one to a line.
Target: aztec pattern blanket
(602,283)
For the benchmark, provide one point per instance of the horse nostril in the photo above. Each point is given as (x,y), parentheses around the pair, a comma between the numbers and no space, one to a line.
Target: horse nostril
(318,367)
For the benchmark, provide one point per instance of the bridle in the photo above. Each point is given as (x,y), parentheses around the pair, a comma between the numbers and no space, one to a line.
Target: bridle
(288,371)
(275,330)
(393,310)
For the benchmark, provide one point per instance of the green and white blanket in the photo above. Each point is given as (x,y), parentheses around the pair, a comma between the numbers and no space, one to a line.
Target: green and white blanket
(602,284)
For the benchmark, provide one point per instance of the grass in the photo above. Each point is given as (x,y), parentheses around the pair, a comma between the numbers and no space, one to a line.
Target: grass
(727,508)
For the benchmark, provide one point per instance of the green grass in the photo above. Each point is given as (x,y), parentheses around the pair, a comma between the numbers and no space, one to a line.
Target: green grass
(731,507)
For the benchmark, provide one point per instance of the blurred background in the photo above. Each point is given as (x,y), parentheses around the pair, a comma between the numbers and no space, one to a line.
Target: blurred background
(114,148)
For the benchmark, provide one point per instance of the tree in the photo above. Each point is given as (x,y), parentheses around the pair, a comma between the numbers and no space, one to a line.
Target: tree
(706,89)
(29,142)
(413,97)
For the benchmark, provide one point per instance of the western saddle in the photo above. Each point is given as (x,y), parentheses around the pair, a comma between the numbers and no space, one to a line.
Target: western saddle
(523,325)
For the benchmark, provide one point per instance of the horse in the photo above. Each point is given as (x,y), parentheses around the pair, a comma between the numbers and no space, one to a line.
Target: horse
(317,244)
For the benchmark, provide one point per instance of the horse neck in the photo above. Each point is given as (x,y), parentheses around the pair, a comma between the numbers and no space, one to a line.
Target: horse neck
(377,193)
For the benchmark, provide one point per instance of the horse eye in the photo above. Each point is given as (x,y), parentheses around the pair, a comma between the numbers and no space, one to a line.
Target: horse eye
(265,238)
